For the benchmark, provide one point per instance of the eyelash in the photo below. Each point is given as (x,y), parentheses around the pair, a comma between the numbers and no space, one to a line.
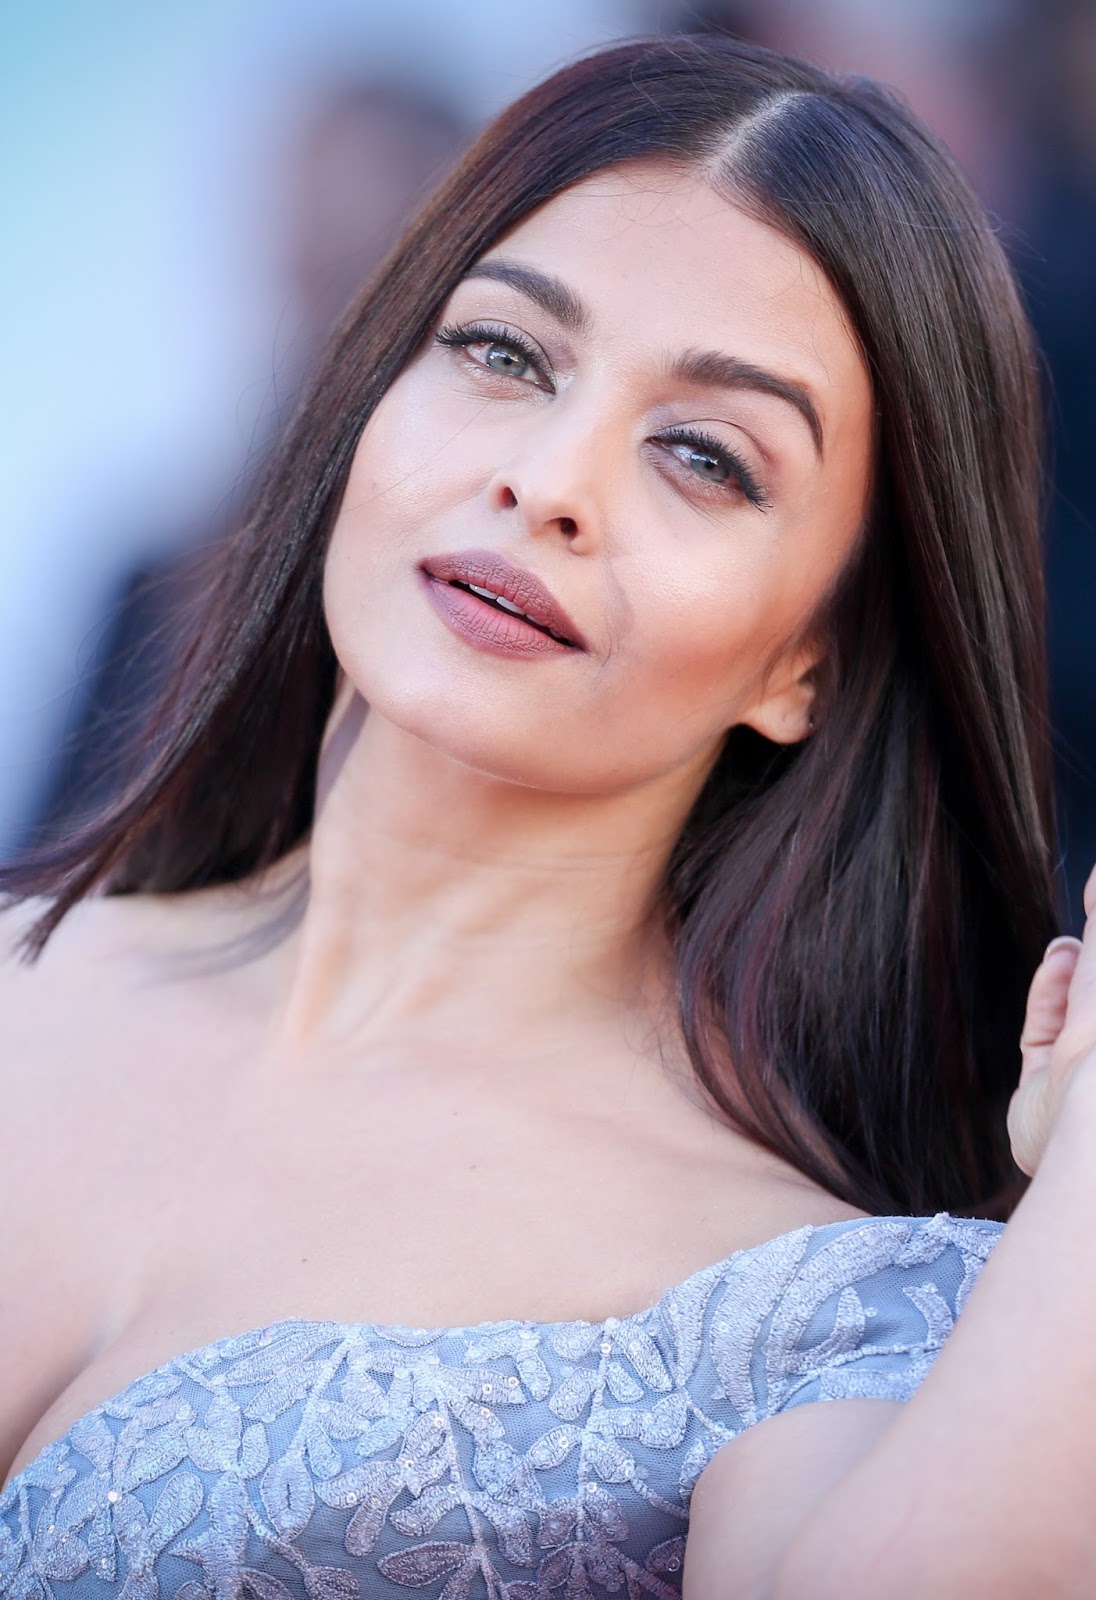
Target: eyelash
(459,338)
(488,333)
(740,470)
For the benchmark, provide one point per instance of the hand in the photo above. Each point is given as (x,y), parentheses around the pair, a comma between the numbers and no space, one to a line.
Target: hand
(1059,1031)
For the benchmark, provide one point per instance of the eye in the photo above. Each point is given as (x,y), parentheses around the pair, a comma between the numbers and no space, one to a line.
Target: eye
(714,464)
(500,351)
(505,359)
(705,462)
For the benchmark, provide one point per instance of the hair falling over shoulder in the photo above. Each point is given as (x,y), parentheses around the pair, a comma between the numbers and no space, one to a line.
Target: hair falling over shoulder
(856,919)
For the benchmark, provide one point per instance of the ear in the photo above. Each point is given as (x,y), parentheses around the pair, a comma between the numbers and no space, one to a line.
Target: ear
(783,709)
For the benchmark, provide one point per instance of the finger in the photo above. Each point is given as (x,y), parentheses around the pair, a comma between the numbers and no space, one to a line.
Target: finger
(1080,1019)
(1026,1122)
(1047,1001)
(1090,894)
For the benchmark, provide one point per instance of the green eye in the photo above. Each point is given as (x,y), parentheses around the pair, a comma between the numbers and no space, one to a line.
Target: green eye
(504,359)
(715,463)
(705,465)
(500,352)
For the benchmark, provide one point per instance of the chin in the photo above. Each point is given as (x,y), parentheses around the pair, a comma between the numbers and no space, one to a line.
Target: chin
(479,735)
(504,721)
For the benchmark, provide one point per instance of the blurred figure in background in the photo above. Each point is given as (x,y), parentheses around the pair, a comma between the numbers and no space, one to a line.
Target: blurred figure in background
(368,154)
(1011,87)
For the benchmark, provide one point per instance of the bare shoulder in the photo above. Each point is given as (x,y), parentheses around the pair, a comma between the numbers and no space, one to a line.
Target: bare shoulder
(29,984)
(101,1041)
(105,1016)
(52,1184)
(122,1002)
(759,1492)
(62,1015)
(41,997)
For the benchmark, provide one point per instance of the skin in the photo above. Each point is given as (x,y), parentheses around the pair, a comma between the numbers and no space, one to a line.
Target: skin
(979,1487)
(319,1094)
(460,987)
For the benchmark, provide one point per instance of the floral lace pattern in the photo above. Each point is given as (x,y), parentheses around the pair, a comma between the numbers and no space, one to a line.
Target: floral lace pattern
(523,1461)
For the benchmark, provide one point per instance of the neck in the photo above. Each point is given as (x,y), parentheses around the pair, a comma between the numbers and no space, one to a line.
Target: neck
(444,902)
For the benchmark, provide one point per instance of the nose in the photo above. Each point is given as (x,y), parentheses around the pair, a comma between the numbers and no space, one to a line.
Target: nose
(550,481)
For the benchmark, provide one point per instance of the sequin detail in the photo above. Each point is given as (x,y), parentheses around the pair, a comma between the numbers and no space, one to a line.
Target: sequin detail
(525,1461)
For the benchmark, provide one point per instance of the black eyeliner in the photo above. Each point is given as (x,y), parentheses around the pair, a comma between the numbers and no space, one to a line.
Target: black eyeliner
(458,337)
(740,468)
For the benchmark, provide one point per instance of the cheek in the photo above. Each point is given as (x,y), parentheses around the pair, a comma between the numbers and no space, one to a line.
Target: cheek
(705,637)
(700,633)
(417,453)
(412,472)
(388,474)
(394,489)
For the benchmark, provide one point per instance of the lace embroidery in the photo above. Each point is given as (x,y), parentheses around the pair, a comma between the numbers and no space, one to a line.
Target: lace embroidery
(520,1460)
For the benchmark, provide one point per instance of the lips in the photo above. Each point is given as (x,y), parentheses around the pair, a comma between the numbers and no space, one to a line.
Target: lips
(522,594)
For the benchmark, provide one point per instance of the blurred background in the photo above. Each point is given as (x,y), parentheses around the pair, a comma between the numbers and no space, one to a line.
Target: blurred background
(192,193)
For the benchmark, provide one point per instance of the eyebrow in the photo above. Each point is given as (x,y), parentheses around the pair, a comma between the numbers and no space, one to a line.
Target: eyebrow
(710,368)
(728,372)
(549,293)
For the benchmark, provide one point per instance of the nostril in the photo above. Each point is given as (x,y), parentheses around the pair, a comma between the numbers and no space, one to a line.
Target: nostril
(568,525)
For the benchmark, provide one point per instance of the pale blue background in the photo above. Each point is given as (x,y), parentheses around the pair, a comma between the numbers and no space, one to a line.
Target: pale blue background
(142,301)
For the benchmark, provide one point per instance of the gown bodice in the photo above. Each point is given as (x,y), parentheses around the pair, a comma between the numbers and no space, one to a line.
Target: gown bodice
(526,1461)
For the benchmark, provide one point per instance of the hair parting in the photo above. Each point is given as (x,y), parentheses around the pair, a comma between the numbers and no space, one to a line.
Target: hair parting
(855,919)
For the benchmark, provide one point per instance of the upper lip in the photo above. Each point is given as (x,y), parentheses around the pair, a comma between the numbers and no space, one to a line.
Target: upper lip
(490,570)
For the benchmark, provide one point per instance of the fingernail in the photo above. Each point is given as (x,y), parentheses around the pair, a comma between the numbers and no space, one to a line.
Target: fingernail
(1064,941)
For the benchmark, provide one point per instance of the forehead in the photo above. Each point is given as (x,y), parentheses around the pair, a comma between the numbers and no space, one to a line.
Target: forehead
(661,259)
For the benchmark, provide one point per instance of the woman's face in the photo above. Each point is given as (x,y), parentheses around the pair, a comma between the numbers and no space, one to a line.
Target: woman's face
(643,421)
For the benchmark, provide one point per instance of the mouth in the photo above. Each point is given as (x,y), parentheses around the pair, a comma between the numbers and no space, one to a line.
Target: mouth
(502,604)
(496,589)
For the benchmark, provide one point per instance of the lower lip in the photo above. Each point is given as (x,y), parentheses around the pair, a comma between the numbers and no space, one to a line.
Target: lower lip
(486,626)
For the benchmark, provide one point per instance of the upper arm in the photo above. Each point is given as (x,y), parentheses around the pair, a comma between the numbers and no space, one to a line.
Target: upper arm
(758,1491)
(818,1339)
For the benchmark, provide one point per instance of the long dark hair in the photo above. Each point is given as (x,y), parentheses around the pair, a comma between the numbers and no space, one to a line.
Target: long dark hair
(855,920)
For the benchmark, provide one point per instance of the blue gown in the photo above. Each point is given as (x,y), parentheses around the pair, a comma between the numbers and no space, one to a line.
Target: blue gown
(518,1460)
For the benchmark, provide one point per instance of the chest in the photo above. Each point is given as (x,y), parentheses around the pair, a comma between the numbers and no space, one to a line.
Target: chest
(319,1458)
(407,1182)
(197,1192)
(192,1197)
(506,1456)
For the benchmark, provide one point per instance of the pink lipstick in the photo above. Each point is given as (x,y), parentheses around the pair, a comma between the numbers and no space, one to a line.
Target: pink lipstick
(498,606)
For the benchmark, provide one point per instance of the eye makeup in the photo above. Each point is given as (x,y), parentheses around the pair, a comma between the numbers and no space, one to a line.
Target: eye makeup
(716,467)
(713,462)
(454,337)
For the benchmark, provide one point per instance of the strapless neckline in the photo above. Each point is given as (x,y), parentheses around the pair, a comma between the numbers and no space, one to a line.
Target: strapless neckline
(376,1457)
(414,1337)
(404,1333)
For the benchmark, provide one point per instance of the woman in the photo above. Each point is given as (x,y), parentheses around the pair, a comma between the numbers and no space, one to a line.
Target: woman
(669,499)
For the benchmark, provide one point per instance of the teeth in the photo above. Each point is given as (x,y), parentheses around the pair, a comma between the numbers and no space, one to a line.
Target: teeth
(498,600)
(508,605)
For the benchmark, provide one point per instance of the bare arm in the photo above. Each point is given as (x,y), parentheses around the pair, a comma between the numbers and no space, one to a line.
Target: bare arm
(983,1485)
(756,1495)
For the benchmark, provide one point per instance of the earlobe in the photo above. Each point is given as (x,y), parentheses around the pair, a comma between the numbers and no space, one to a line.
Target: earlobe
(785,714)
